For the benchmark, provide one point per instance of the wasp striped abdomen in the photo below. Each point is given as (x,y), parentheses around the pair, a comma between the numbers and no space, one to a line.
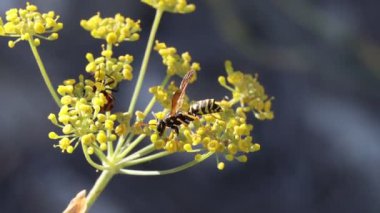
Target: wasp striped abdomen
(203,107)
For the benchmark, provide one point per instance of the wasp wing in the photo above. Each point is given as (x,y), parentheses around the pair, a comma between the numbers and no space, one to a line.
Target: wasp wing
(178,96)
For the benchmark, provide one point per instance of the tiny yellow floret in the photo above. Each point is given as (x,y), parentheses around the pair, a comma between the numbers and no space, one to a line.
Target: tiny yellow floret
(53,135)
(11,44)
(103,146)
(220,165)
(188,148)
(222,80)
(256,147)
(242,158)
(198,157)
(90,150)
(154,137)
(101,137)
(88,139)
(53,118)
(70,149)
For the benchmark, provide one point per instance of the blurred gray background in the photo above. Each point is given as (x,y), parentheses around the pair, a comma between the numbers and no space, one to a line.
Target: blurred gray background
(319,58)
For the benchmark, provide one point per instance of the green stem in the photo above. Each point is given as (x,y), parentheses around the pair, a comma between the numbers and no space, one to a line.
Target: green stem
(98,187)
(124,164)
(90,161)
(132,146)
(144,64)
(168,171)
(44,73)
(144,151)
(103,158)
(120,144)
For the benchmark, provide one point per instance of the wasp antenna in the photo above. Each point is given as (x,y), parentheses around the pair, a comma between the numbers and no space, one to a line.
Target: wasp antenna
(154,115)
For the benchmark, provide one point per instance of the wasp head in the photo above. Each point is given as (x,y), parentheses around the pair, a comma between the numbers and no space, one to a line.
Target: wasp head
(161,127)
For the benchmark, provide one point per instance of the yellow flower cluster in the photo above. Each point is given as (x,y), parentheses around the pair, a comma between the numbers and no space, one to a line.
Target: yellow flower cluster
(225,133)
(85,115)
(173,6)
(176,64)
(81,119)
(110,70)
(164,96)
(248,91)
(29,23)
(114,30)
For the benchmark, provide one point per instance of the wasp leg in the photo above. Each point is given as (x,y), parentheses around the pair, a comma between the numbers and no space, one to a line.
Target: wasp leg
(184,122)
(176,129)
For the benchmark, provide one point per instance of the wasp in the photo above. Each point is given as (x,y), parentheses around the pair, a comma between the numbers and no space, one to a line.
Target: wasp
(108,94)
(110,100)
(175,118)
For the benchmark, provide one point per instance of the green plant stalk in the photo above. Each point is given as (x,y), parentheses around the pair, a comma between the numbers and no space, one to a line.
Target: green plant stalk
(144,151)
(168,171)
(90,161)
(44,74)
(144,64)
(102,157)
(120,143)
(99,186)
(155,156)
(132,146)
